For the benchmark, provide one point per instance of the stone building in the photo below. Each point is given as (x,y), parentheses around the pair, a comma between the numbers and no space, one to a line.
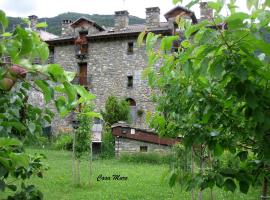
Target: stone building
(107,60)
(134,140)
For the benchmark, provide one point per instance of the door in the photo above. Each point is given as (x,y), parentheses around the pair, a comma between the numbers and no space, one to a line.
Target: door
(83,74)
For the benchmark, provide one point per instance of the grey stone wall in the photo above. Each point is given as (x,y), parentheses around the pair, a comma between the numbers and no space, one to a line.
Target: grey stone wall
(153,17)
(109,64)
(121,19)
(125,145)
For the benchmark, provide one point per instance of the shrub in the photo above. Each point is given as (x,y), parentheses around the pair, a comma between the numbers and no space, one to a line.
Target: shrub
(107,146)
(64,142)
(115,110)
(152,158)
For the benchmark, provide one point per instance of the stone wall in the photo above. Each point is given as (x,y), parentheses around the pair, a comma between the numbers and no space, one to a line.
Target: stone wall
(125,145)
(109,64)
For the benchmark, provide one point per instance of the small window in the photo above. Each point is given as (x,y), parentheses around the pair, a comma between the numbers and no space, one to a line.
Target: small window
(130,48)
(143,148)
(130,81)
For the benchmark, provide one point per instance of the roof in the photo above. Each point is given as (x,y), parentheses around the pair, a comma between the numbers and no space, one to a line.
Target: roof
(178,10)
(88,20)
(44,35)
(111,32)
(126,131)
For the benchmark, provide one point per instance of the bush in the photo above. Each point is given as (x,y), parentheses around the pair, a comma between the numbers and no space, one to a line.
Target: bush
(107,146)
(153,158)
(64,142)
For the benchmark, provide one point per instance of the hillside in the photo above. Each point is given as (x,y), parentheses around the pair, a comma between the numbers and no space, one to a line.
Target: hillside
(54,23)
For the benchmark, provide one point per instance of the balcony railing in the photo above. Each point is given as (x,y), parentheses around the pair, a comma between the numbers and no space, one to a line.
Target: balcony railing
(81,51)
(82,80)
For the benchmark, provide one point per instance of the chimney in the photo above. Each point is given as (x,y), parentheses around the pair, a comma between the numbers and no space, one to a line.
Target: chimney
(153,17)
(33,22)
(121,19)
(206,12)
(66,28)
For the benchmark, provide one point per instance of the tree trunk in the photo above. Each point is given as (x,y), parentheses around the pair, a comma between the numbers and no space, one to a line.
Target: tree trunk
(90,163)
(74,159)
(192,171)
(265,189)
(200,197)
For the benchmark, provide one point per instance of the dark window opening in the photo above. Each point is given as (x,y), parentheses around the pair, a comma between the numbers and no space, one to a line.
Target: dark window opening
(143,148)
(130,81)
(51,55)
(130,47)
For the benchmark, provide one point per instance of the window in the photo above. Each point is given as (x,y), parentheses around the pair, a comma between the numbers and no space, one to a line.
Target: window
(130,81)
(130,48)
(143,148)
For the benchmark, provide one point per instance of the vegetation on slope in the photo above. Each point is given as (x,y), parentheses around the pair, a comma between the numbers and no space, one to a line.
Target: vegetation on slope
(54,23)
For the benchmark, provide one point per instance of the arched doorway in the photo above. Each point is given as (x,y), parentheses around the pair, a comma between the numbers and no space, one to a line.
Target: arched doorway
(133,109)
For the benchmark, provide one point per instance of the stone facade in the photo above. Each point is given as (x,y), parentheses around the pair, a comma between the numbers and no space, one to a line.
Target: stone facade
(112,60)
(125,145)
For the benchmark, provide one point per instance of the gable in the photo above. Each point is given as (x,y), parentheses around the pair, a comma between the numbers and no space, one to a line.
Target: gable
(84,24)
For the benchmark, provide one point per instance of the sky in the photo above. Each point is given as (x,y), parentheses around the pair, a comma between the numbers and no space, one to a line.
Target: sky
(51,8)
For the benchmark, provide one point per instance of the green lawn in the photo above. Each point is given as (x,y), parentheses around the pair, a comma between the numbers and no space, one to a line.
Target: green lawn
(144,181)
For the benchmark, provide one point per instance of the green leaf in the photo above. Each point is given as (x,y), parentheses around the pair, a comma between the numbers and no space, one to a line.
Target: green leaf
(215,5)
(194,28)
(41,25)
(47,91)
(191,3)
(3,19)
(4,142)
(185,44)
(218,150)
(43,51)
(242,155)
(93,115)
(172,179)
(61,106)
(140,38)
(166,42)
(12,187)
(32,127)
(244,186)
(17,125)
(70,91)
(177,1)
(7,34)
(230,185)
(56,72)
(235,21)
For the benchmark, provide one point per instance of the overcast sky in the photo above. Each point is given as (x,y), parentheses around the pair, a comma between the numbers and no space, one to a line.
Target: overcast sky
(50,8)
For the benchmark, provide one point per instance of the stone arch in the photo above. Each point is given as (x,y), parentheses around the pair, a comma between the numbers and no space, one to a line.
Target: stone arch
(131,102)
(133,109)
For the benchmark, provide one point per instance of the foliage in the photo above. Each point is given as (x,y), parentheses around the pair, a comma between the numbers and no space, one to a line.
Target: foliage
(63,141)
(115,110)
(107,145)
(151,157)
(16,164)
(54,23)
(18,117)
(214,92)
(83,136)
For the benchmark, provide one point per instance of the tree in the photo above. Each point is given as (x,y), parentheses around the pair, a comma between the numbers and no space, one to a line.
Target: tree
(215,92)
(82,141)
(115,111)
(18,117)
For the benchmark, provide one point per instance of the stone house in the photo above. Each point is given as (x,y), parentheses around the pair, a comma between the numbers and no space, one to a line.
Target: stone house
(134,140)
(107,60)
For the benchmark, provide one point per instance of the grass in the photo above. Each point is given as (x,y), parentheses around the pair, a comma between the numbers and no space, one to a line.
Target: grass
(144,181)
